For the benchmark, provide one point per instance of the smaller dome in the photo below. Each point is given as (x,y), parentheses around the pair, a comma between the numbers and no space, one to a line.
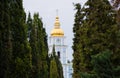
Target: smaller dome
(57,32)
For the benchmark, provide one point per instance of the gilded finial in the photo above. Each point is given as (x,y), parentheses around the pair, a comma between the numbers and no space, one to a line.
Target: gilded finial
(57,31)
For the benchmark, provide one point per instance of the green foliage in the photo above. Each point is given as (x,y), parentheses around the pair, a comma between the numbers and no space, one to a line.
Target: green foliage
(87,75)
(18,57)
(78,55)
(59,68)
(57,65)
(102,65)
(21,51)
(117,72)
(38,43)
(95,30)
(29,25)
(53,69)
(5,40)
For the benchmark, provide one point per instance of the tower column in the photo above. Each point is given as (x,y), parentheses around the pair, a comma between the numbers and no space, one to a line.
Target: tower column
(57,38)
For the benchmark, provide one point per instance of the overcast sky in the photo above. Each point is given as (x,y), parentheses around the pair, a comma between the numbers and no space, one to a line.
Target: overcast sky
(47,11)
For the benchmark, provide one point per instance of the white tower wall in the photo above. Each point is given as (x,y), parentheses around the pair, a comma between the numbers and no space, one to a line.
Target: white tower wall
(57,38)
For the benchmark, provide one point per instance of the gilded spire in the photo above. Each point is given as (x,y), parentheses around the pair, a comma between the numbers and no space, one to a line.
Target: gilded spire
(57,23)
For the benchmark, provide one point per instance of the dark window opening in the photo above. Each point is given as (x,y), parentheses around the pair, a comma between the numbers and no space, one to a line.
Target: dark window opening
(58,53)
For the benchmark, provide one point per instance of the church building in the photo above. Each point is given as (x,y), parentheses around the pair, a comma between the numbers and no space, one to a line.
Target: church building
(57,38)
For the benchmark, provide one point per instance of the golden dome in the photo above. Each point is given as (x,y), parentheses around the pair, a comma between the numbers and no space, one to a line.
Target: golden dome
(57,31)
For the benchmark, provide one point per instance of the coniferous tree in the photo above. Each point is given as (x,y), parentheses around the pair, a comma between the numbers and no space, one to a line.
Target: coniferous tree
(43,50)
(59,65)
(21,49)
(59,68)
(29,30)
(57,71)
(53,69)
(102,65)
(33,45)
(29,25)
(78,56)
(116,6)
(45,58)
(39,48)
(98,32)
(5,40)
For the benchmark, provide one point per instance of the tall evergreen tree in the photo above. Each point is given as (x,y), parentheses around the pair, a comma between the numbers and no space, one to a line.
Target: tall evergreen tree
(59,68)
(59,65)
(98,32)
(57,71)
(78,55)
(21,48)
(43,50)
(38,44)
(29,25)
(33,42)
(5,40)
(29,30)
(53,69)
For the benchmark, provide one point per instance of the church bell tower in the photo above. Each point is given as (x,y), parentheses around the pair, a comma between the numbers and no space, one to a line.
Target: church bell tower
(57,38)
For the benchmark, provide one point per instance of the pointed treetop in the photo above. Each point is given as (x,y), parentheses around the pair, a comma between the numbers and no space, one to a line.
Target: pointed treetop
(53,51)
